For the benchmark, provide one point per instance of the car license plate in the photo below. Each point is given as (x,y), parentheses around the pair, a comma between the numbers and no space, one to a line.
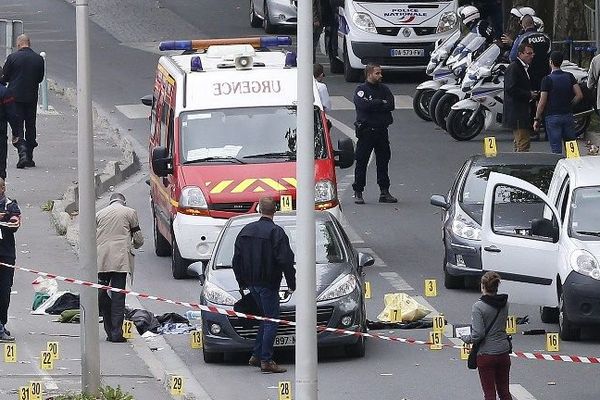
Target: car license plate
(407,52)
(285,340)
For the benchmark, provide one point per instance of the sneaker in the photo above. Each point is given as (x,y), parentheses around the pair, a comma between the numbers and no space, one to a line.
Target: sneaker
(6,338)
(386,197)
(358,199)
(271,367)
(254,361)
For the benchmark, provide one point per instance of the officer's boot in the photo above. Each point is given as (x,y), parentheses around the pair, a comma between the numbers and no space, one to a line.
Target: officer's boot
(358,199)
(30,162)
(23,160)
(386,197)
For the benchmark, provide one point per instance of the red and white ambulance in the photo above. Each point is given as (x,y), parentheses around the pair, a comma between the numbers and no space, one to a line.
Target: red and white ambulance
(223,134)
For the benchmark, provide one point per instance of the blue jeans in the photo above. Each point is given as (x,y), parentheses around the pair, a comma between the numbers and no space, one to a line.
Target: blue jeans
(268,303)
(560,127)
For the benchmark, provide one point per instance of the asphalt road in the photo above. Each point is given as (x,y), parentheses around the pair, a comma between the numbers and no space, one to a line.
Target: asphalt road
(405,236)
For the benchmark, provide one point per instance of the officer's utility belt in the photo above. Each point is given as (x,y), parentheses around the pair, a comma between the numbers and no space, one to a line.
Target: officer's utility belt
(363,129)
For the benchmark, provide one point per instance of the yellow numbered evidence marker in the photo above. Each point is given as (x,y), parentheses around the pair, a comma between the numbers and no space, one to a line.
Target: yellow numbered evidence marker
(196,339)
(395,315)
(465,349)
(439,323)
(511,325)
(572,149)
(10,353)
(46,360)
(285,390)
(367,290)
(435,340)
(52,347)
(127,329)
(489,146)
(552,343)
(176,385)
(285,203)
(35,390)
(430,288)
(24,393)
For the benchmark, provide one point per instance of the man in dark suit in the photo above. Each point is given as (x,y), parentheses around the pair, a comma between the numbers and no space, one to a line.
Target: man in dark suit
(518,96)
(23,71)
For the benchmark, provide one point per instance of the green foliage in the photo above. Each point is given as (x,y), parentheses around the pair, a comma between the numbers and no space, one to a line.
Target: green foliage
(106,393)
(48,205)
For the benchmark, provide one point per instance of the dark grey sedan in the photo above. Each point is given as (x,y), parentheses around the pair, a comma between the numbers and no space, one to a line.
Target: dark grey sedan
(463,205)
(339,291)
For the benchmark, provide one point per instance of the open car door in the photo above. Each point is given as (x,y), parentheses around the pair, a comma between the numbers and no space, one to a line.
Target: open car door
(519,235)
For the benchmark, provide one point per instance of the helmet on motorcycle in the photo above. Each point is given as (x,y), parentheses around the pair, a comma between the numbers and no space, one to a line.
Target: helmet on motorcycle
(468,15)
(539,23)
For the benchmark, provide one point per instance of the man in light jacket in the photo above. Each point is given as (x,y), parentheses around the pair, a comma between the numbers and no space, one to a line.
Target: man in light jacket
(593,76)
(117,234)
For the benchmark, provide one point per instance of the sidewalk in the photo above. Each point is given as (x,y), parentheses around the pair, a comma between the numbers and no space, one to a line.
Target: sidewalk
(39,247)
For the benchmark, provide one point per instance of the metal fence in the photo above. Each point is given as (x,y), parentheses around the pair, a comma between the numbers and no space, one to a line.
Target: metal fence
(9,30)
(590,22)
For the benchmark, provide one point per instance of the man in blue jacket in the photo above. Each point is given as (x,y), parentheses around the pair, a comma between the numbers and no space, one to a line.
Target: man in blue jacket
(23,71)
(374,104)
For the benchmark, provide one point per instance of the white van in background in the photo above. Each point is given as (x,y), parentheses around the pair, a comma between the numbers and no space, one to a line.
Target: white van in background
(398,35)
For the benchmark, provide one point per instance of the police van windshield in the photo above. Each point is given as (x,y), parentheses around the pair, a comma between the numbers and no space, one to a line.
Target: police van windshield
(585,214)
(244,135)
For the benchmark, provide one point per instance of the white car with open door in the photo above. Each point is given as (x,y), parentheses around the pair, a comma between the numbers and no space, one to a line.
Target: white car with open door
(548,256)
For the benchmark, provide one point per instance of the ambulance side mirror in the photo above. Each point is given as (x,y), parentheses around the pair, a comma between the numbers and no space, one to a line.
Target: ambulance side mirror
(147,100)
(345,154)
(161,162)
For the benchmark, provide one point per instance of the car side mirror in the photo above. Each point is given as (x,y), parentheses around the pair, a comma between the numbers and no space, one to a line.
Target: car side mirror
(147,100)
(197,270)
(439,201)
(345,154)
(161,162)
(544,228)
(365,260)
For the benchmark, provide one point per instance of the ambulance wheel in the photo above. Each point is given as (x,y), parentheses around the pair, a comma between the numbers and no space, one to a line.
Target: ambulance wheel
(549,315)
(212,358)
(162,248)
(335,65)
(255,21)
(267,25)
(178,264)
(350,74)
(566,329)
(443,108)
(358,349)
(433,102)
(421,103)
(458,124)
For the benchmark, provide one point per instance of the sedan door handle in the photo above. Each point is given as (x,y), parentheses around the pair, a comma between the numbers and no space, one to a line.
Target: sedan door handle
(492,249)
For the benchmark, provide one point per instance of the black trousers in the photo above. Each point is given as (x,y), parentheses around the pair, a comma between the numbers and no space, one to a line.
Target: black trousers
(23,126)
(112,307)
(6,281)
(368,140)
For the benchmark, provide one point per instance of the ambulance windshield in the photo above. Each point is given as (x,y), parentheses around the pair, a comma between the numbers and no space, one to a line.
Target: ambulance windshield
(244,135)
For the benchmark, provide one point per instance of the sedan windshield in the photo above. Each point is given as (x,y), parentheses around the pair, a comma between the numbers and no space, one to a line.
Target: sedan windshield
(585,213)
(328,243)
(244,135)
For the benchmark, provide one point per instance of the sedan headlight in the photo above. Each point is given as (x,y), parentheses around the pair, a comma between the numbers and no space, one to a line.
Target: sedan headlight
(463,226)
(585,263)
(342,287)
(447,22)
(216,295)
(364,22)
(325,191)
(192,197)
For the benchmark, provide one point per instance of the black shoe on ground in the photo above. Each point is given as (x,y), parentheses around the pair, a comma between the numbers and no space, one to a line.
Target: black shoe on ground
(117,340)
(358,199)
(271,367)
(386,197)
(30,163)
(254,361)
(7,331)
(5,338)
(22,163)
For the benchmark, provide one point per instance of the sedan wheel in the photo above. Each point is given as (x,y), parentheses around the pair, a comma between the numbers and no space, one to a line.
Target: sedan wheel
(356,350)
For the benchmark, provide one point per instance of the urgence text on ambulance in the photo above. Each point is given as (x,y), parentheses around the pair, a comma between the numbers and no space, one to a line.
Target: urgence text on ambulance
(246,87)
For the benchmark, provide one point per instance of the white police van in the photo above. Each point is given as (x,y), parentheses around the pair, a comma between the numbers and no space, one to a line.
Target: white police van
(398,35)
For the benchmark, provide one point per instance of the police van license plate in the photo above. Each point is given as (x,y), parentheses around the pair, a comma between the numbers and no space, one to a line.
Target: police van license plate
(407,52)
(285,340)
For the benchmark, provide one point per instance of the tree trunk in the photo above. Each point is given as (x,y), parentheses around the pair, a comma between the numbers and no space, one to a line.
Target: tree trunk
(569,20)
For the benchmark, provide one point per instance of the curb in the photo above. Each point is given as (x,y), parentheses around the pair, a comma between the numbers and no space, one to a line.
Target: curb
(64,209)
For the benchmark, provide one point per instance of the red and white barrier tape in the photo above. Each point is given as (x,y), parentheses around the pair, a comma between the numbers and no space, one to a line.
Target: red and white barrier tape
(232,313)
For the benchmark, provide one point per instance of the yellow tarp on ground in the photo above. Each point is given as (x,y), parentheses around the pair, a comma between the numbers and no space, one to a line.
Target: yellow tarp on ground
(400,307)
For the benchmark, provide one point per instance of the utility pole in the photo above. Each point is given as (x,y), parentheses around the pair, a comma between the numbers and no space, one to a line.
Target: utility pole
(90,348)
(306,315)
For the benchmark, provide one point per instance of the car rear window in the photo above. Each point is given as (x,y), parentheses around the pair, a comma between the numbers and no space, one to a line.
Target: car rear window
(474,187)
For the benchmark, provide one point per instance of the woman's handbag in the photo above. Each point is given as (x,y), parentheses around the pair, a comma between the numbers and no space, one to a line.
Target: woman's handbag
(472,360)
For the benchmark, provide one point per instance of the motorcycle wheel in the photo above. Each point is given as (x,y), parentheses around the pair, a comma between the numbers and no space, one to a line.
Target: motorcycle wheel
(458,127)
(581,124)
(433,102)
(443,108)
(421,103)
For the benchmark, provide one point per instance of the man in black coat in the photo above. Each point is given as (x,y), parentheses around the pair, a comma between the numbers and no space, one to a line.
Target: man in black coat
(23,71)
(7,102)
(517,98)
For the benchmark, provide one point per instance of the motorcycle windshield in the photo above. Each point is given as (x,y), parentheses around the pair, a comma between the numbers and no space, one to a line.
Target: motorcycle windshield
(445,47)
(465,48)
(482,66)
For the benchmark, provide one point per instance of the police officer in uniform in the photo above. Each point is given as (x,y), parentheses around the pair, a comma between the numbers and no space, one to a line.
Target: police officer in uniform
(541,44)
(374,104)
(471,18)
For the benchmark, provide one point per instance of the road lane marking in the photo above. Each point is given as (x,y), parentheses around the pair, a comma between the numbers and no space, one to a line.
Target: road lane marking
(519,392)
(341,103)
(134,111)
(403,102)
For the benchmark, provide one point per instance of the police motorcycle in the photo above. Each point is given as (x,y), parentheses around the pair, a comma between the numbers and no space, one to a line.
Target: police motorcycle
(482,109)
(438,69)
